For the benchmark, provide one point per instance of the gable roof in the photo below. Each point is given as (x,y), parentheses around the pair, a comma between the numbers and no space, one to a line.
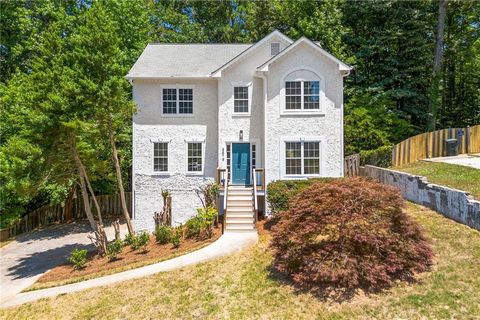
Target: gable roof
(277,33)
(342,66)
(165,60)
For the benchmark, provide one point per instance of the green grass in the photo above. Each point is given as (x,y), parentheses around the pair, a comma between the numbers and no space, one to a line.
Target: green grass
(240,287)
(450,175)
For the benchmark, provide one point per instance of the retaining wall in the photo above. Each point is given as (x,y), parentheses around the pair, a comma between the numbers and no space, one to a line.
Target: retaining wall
(454,204)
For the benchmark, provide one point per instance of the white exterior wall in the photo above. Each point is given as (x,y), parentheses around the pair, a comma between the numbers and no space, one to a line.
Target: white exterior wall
(215,124)
(326,125)
(242,73)
(150,126)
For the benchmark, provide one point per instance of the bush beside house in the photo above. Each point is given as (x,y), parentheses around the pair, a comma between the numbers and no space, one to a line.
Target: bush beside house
(346,234)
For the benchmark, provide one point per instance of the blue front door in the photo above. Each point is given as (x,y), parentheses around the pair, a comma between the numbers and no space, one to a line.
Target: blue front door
(241,163)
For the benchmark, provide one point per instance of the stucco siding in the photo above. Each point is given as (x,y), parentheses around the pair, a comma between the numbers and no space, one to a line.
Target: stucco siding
(325,125)
(242,73)
(150,126)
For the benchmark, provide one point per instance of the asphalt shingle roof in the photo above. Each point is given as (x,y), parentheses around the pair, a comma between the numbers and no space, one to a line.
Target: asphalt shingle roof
(183,60)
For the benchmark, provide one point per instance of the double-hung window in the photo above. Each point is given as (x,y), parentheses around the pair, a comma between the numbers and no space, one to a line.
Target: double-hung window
(177,101)
(302,158)
(160,157)
(240,99)
(194,157)
(302,95)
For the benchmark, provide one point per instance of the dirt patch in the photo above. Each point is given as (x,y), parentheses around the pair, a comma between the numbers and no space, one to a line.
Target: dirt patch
(128,259)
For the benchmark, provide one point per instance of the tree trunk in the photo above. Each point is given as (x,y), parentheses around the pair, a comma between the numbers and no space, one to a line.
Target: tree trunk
(94,199)
(118,174)
(100,236)
(437,64)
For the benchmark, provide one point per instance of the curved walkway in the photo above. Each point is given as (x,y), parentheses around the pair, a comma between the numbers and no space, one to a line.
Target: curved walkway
(225,245)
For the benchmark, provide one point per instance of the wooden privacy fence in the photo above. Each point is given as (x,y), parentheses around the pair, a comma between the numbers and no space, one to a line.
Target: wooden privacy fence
(73,209)
(352,165)
(432,144)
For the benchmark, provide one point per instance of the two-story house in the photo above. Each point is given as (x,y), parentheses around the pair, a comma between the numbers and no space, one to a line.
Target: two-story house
(241,114)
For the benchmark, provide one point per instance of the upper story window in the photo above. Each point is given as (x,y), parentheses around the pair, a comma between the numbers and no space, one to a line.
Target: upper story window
(177,101)
(302,95)
(240,100)
(160,156)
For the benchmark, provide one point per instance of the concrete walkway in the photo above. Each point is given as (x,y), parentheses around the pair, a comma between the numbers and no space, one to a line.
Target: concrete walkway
(31,254)
(468,160)
(225,245)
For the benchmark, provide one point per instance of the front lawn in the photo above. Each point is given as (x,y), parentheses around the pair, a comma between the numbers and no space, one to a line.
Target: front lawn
(240,287)
(450,175)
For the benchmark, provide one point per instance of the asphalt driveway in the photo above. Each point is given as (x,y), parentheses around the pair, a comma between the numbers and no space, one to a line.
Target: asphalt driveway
(30,255)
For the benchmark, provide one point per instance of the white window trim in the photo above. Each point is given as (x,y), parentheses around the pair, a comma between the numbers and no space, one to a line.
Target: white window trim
(177,86)
(302,111)
(249,86)
(283,170)
(194,173)
(169,162)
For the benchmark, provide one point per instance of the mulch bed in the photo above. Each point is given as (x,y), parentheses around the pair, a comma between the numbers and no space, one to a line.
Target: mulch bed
(155,252)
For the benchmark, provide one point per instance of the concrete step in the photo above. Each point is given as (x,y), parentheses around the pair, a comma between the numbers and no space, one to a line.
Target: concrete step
(243,209)
(240,198)
(232,193)
(240,226)
(238,220)
(239,188)
(240,231)
(232,214)
(239,203)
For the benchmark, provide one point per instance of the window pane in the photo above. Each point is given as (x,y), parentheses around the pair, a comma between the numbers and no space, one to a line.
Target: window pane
(293,161)
(293,98)
(293,102)
(185,94)
(240,99)
(160,156)
(293,87)
(311,158)
(293,166)
(194,161)
(311,87)
(311,91)
(169,97)
(185,107)
(185,97)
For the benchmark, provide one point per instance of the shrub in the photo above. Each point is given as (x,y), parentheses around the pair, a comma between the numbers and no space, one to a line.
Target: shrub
(79,258)
(280,192)
(142,240)
(114,248)
(380,157)
(176,236)
(163,234)
(201,226)
(346,234)
(130,240)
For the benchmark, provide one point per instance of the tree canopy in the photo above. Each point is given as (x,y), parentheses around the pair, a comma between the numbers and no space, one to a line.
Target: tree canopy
(62,68)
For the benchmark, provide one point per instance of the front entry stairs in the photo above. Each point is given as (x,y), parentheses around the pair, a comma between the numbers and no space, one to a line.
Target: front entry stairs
(240,215)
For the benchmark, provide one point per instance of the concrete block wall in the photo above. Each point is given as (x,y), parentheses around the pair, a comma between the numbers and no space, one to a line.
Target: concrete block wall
(455,204)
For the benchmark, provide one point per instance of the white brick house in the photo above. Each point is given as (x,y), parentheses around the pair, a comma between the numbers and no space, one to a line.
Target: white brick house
(270,110)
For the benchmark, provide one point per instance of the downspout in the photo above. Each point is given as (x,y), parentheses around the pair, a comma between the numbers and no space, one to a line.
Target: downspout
(262,76)
(344,74)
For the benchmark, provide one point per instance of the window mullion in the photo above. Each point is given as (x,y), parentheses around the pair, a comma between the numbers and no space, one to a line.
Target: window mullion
(301,158)
(178,100)
(301,99)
